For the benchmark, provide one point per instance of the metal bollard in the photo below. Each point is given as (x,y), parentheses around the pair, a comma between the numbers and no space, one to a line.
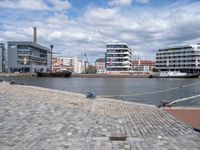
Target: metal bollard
(90,95)
(12,82)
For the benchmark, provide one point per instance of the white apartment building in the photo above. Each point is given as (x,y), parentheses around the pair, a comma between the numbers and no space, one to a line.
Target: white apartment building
(118,58)
(180,58)
(74,64)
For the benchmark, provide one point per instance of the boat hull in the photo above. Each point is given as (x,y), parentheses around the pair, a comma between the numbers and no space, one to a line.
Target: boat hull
(64,74)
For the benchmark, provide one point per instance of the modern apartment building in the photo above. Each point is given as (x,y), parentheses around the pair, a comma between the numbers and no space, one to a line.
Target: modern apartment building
(180,58)
(118,58)
(2,57)
(73,64)
(100,66)
(26,56)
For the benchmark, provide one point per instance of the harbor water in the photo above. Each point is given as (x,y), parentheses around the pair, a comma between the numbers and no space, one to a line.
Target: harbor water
(142,90)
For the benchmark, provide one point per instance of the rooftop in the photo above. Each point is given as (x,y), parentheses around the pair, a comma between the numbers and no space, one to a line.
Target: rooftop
(143,62)
(36,45)
(100,60)
(116,43)
(178,47)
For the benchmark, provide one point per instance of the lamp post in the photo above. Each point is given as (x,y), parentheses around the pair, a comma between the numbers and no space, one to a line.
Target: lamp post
(51,46)
(138,61)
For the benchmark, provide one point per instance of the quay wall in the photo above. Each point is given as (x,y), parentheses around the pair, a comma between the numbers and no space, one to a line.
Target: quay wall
(76,75)
(108,76)
(17,74)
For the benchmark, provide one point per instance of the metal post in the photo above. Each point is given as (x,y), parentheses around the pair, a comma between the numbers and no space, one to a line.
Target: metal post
(138,62)
(51,46)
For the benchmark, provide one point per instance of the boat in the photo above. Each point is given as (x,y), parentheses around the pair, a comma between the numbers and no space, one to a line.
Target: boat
(173,74)
(63,73)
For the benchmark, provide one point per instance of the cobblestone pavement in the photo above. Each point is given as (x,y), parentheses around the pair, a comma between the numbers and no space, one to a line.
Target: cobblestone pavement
(37,118)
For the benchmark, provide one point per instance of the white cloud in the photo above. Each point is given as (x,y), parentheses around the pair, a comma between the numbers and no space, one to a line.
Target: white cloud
(126,2)
(56,5)
(23,4)
(60,4)
(101,15)
(142,1)
(120,2)
(146,30)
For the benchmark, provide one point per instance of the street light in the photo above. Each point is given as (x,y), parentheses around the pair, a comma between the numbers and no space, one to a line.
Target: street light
(51,46)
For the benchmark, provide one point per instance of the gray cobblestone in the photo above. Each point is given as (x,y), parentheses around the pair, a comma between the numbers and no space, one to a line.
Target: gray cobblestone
(38,118)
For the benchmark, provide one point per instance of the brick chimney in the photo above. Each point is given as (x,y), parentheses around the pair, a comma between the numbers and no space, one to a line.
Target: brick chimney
(35,34)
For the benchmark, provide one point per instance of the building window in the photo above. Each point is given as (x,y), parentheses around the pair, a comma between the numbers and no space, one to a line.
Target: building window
(22,46)
(12,46)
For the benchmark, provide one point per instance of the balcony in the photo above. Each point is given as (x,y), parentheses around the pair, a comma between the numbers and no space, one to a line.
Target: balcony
(178,67)
(178,63)
(125,66)
(115,53)
(126,62)
(175,55)
(174,51)
(109,48)
(23,50)
(114,62)
(165,59)
(23,54)
(126,57)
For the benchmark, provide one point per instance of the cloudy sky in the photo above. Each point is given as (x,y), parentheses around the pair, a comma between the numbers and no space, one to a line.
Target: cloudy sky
(78,26)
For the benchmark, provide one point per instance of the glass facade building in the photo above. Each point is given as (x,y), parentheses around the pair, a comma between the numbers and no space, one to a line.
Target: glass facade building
(183,58)
(28,57)
(2,58)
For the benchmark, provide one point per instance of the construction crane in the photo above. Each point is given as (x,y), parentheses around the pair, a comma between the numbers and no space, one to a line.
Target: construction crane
(85,61)
(137,58)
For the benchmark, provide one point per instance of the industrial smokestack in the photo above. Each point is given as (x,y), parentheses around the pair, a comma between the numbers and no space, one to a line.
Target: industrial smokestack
(34,34)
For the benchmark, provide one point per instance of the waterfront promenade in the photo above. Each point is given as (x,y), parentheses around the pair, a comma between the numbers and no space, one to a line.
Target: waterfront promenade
(39,118)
